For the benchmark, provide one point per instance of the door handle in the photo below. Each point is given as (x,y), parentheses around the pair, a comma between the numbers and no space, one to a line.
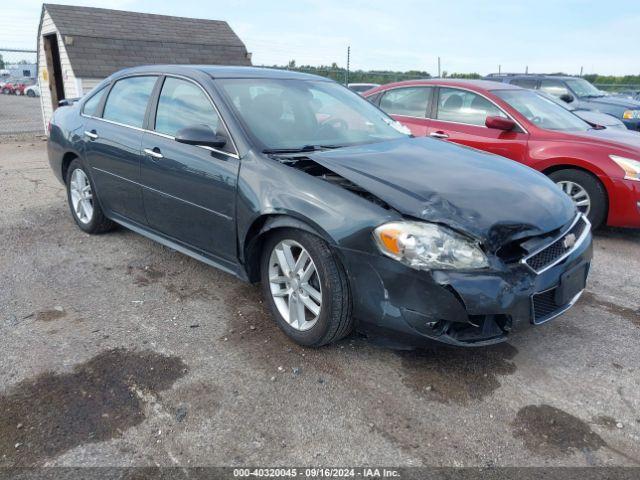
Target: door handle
(438,135)
(153,152)
(92,134)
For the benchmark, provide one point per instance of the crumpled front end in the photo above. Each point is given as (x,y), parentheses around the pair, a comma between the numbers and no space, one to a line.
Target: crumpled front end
(527,285)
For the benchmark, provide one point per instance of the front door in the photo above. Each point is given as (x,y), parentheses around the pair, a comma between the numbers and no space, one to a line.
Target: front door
(189,191)
(113,146)
(460,118)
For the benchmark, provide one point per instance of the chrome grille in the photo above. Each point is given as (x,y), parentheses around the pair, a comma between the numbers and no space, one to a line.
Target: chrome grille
(559,248)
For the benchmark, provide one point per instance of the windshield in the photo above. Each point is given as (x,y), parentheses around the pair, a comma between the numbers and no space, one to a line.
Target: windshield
(294,114)
(582,88)
(542,112)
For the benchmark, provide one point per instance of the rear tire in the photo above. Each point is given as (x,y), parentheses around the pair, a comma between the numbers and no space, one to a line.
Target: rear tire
(328,282)
(83,201)
(31,93)
(574,180)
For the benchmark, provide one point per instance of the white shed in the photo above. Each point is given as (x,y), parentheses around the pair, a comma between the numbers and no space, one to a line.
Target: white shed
(80,46)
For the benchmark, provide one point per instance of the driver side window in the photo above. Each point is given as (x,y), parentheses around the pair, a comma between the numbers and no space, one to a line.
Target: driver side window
(183,104)
(554,87)
(462,106)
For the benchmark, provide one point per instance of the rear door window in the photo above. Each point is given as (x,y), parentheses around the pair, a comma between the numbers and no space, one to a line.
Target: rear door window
(127,100)
(409,101)
(530,83)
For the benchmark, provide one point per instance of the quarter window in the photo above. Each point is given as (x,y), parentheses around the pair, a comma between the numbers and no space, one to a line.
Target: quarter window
(410,101)
(461,106)
(127,101)
(183,104)
(90,107)
(554,87)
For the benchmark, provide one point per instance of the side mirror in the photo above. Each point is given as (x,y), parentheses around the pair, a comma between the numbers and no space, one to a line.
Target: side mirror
(567,97)
(66,102)
(200,135)
(500,123)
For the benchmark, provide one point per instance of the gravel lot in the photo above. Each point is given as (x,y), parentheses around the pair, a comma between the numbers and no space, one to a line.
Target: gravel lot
(20,114)
(118,351)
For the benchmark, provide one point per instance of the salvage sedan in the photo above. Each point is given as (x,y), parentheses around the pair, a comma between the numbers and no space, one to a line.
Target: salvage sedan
(346,220)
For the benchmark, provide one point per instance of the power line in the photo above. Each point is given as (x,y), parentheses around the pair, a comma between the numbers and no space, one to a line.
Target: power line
(16,50)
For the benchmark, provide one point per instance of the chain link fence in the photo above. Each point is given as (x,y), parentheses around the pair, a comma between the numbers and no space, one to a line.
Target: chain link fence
(20,111)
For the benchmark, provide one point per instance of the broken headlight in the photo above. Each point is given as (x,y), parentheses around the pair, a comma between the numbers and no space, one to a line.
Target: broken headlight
(427,246)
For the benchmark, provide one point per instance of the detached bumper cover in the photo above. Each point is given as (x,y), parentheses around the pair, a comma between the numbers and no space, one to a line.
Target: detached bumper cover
(460,308)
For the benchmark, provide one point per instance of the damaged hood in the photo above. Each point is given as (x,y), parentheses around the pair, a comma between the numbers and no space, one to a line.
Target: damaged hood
(491,198)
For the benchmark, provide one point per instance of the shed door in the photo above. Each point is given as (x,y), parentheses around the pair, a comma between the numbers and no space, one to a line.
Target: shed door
(52,53)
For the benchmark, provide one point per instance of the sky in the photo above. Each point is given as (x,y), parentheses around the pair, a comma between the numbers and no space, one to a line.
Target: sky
(468,35)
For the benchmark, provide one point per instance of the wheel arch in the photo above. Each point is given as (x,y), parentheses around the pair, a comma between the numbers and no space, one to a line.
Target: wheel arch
(261,227)
(67,158)
(596,176)
(568,165)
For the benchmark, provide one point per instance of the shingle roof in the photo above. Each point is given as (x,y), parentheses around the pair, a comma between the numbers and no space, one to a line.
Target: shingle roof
(105,41)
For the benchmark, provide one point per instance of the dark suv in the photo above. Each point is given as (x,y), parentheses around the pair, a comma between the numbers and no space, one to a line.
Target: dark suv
(579,93)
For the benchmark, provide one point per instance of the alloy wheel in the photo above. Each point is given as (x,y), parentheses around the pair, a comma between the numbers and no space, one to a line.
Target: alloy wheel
(81,196)
(295,285)
(578,194)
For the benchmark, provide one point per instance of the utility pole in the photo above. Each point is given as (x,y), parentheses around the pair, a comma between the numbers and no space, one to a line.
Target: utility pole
(499,69)
(346,73)
(581,69)
(526,70)
(438,67)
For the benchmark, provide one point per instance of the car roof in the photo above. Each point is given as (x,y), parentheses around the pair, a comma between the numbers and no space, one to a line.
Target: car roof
(223,71)
(474,84)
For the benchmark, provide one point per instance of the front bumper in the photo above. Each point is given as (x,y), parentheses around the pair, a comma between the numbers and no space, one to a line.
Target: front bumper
(409,307)
(624,203)
(632,124)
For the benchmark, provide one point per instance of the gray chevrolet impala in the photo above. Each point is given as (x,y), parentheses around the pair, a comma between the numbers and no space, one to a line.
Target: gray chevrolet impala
(347,221)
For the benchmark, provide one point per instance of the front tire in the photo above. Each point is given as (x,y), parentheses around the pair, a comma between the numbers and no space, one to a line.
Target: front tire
(83,202)
(586,191)
(306,288)
(31,93)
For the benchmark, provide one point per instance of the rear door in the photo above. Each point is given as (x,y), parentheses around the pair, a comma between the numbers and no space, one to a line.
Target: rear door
(409,106)
(189,191)
(459,117)
(112,148)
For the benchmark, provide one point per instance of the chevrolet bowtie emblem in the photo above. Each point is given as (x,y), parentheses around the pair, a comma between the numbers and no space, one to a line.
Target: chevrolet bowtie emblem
(569,241)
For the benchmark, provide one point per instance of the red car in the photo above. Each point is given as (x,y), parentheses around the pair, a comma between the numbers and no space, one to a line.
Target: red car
(15,86)
(599,168)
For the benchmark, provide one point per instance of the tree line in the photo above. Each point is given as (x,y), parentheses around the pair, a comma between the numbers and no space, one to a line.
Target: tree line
(339,74)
